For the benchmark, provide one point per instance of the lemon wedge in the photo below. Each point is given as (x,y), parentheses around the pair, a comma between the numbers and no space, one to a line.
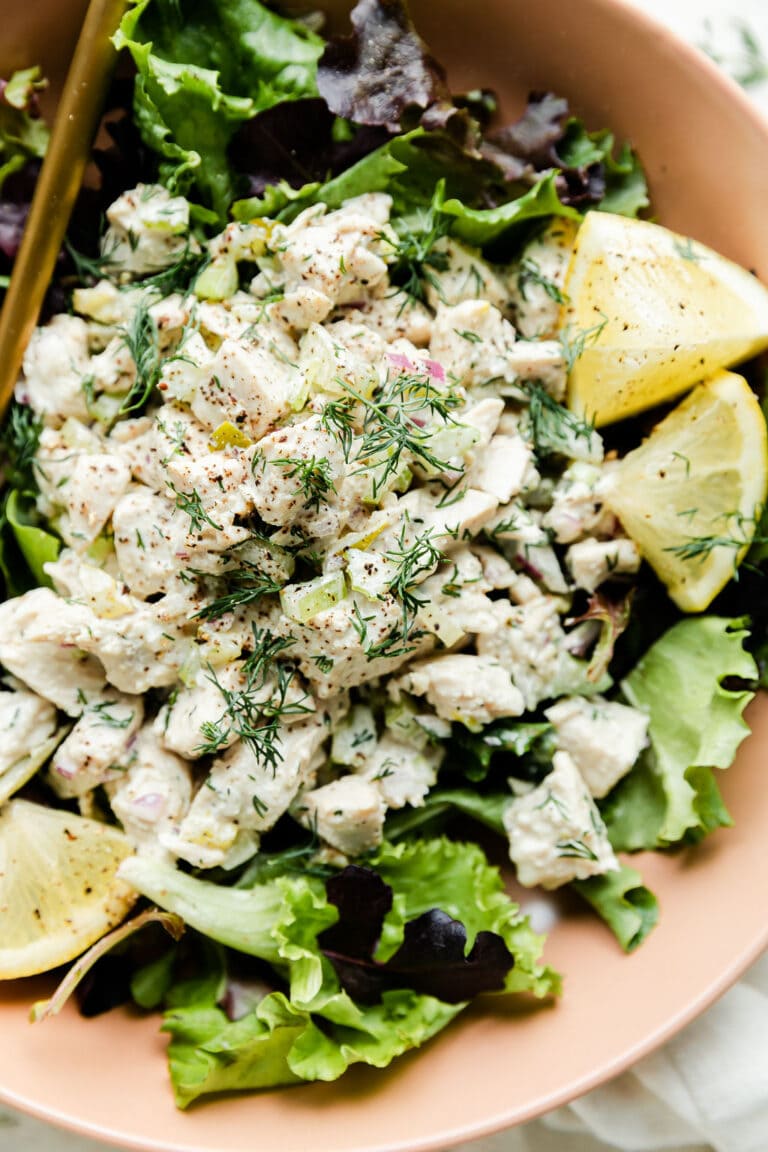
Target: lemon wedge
(691,495)
(648,314)
(58,887)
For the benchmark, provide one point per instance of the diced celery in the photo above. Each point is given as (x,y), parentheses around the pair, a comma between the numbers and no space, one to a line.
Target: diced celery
(302,602)
(218,281)
(330,368)
(101,549)
(103,303)
(436,621)
(449,443)
(378,522)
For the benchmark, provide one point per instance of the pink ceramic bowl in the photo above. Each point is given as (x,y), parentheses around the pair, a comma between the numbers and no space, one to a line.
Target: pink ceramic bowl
(706,155)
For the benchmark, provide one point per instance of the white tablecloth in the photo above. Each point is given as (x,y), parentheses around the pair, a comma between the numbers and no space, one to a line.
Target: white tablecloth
(707,1089)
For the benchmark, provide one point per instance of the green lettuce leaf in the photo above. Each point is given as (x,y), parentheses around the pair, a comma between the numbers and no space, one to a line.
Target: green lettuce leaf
(621,899)
(626,191)
(457,878)
(37,546)
(316,1030)
(23,134)
(277,1043)
(696,724)
(481,226)
(204,71)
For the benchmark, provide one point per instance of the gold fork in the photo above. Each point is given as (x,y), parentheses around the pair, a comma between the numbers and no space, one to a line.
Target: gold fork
(77,117)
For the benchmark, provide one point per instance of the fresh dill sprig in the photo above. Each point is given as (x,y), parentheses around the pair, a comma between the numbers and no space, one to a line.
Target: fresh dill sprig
(90,268)
(313,475)
(192,504)
(338,418)
(739,531)
(107,718)
(19,442)
(253,713)
(529,273)
(554,428)
(397,422)
(141,340)
(245,585)
(415,260)
(575,849)
(178,277)
(413,559)
(573,343)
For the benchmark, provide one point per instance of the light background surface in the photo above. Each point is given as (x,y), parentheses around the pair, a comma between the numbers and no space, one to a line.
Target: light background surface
(707,1090)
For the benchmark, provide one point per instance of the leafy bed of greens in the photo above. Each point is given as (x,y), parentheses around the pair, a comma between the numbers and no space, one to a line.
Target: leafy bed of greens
(291,971)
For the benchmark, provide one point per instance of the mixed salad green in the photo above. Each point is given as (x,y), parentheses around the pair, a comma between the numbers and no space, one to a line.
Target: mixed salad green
(292,595)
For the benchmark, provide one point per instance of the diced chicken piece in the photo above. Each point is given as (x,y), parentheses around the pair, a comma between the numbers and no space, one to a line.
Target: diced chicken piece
(590,562)
(459,273)
(504,468)
(39,644)
(152,795)
(455,597)
(295,472)
(26,722)
(531,645)
(302,307)
(473,690)
(354,737)
(347,813)
(148,230)
(247,386)
(603,738)
(474,343)
(220,479)
(485,416)
(358,339)
(393,315)
(179,722)
(55,364)
(377,206)
(338,648)
(174,432)
(244,796)
(113,370)
(449,522)
(403,774)
(542,361)
(556,833)
(525,540)
(96,484)
(188,369)
(577,507)
(57,451)
(139,650)
(337,254)
(498,573)
(150,541)
(537,281)
(95,750)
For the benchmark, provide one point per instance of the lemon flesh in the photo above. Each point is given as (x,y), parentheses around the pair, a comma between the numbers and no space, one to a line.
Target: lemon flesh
(58,888)
(691,494)
(649,314)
